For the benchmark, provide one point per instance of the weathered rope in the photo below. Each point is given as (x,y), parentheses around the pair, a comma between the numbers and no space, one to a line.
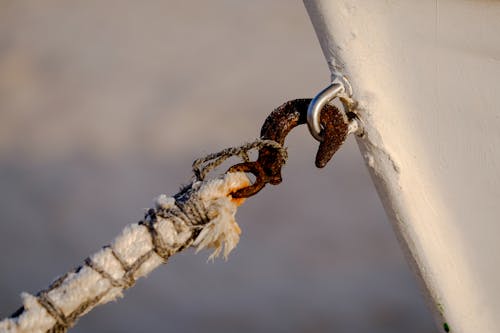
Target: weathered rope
(202,166)
(200,215)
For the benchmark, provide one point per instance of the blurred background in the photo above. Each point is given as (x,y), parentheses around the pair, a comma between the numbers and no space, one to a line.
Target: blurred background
(105,104)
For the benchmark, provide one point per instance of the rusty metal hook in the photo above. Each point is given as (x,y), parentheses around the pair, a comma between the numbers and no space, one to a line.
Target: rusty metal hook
(267,167)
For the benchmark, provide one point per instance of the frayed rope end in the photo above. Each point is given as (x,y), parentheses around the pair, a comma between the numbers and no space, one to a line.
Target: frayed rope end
(222,233)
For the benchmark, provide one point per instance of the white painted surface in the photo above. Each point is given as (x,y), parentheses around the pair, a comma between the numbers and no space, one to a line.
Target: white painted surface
(427,76)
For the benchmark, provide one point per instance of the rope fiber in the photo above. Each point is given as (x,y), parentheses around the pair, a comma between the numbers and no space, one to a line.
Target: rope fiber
(201,215)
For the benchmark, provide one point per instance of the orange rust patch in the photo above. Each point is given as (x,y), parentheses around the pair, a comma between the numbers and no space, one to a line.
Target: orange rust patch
(239,201)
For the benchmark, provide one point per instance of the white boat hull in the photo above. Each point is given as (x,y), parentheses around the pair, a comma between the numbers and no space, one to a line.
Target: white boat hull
(427,76)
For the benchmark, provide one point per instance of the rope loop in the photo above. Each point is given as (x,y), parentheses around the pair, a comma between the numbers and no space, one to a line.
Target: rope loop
(204,165)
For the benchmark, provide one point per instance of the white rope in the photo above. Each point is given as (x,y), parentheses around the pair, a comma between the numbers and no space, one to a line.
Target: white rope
(200,215)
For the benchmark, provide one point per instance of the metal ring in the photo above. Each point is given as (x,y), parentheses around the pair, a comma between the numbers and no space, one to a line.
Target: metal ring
(337,87)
